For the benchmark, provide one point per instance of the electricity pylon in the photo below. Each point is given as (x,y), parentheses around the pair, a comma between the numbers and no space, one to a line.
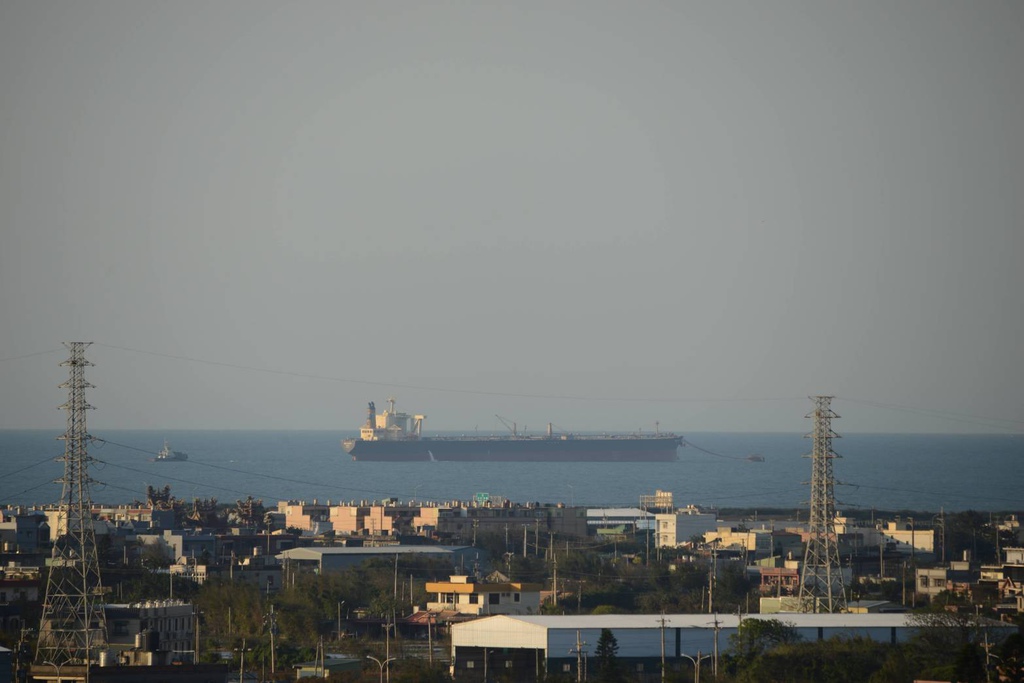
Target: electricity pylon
(821,580)
(73,626)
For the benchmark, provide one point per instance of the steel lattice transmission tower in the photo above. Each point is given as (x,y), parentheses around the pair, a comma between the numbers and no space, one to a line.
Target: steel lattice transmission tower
(821,581)
(73,626)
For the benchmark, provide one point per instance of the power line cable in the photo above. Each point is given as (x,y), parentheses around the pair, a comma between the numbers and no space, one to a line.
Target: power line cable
(985,421)
(980,420)
(252,473)
(935,494)
(28,467)
(472,392)
(186,481)
(29,355)
(28,490)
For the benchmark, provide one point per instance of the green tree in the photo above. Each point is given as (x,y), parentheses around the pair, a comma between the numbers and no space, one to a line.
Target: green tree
(970,665)
(900,666)
(756,636)
(1010,664)
(837,660)
(607,657)
(418,671)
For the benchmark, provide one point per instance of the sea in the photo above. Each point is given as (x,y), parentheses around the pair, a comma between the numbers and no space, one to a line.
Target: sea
(891,472)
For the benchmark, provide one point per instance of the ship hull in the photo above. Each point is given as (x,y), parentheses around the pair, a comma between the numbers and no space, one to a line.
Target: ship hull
(597,449)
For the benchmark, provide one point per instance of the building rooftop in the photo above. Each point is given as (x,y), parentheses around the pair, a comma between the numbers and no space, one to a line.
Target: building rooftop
(378,550)
(727,621)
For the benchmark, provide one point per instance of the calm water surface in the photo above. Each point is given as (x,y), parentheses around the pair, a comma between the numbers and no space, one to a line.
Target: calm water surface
(887,471)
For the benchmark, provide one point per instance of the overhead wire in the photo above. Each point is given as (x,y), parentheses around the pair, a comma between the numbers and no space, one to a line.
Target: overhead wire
(28,490)
(450,390)
(35,464)
(29,355)
(686,442)
(920,492)
(232,470)
(980,420)
(185,481)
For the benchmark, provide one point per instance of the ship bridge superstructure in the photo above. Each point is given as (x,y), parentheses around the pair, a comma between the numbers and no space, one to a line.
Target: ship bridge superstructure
(391,425)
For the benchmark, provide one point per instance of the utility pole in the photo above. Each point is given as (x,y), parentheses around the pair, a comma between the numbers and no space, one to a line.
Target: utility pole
(713,577)
(554,580)
(821,580)
(430,641)
(718,628)
(580,652)
(387,646)
(881,557)
(913,563)
(241,663)
(273,632)
(663,621)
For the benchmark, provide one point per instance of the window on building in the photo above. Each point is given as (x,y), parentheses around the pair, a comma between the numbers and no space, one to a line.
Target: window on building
(474,599)
(515,597)
(493,598)
(120,628)
(640,667)
(470,664)
(567,668)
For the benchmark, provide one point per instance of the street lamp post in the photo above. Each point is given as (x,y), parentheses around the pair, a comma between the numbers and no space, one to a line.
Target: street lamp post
(55,666)
(241,662)
(381,665)
(696,664)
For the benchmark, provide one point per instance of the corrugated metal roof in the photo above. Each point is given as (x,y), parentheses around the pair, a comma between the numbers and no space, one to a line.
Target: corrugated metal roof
(626,621)
(383,550)
(599,513)
(639,635)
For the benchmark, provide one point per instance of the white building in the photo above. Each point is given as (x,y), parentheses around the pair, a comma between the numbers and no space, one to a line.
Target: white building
(528,648)
(675,529)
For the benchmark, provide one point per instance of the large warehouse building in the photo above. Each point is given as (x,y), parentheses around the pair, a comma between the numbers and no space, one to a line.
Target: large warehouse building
(526,648)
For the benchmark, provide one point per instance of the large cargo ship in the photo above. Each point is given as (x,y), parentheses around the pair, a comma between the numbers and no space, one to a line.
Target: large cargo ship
(398,437)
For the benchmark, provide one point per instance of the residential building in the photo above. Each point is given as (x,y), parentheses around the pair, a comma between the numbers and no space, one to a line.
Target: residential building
(156,632)
(957,577)
(756,543)
(298,514)
(22,531)
(679,527)
(465,595)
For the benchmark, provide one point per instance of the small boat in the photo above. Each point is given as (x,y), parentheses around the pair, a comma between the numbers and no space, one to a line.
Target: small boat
(167,455)
(756,457)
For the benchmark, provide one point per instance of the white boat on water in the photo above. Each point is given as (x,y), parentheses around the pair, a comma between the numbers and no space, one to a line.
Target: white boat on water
(167,455)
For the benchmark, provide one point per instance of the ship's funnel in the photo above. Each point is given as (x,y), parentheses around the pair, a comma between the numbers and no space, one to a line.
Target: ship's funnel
(371,420)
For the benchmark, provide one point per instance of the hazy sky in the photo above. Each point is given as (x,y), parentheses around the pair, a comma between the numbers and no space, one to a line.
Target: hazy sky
(656,211)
